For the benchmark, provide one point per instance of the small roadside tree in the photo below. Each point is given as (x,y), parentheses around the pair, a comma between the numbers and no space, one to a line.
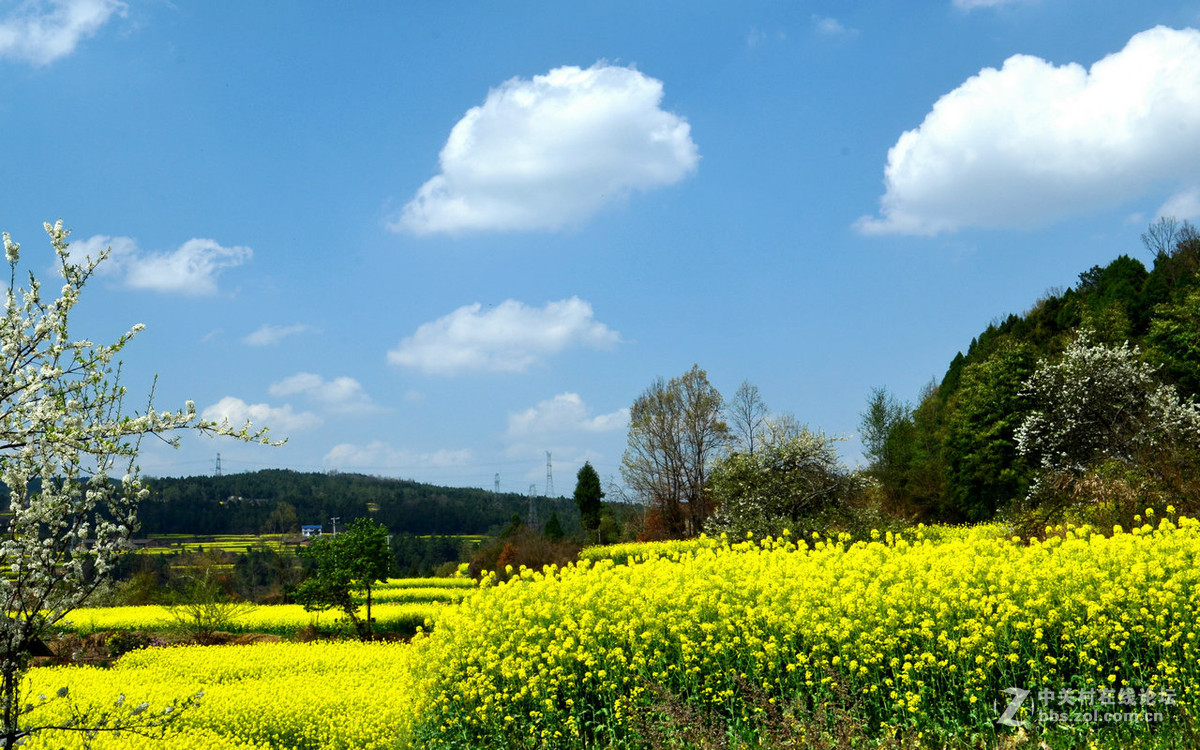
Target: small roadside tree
(347,563)
(589,496)
(68,450)
(201,607)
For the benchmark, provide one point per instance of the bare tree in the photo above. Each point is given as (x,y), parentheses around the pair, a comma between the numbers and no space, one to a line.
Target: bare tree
(1173,243)
(705,434)
(1161,236)
(652,464)
(675,432)
(747,417)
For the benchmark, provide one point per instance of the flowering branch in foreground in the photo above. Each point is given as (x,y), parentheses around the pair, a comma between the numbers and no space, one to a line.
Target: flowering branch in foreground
(68,451)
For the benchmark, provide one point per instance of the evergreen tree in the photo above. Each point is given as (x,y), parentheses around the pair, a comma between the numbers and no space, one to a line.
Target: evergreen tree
(553,529)
(588,496)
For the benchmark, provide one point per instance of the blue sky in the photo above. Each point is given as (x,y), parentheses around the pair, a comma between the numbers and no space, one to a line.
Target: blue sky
(437,240)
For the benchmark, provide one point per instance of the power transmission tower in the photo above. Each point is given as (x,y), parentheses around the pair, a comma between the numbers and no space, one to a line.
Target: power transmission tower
(496,488)
(218,471)
(549,477)
(532,522)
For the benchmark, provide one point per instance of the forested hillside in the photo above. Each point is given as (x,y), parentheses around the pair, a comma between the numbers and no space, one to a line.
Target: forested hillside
(281,500)
(955,456)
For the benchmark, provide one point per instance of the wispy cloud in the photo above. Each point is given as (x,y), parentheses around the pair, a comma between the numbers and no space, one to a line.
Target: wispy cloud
(974,4)
(831,27)
(1182,205)
(191,269)
(269,335)
(1034,142)
(510,337)
(42,32)
(565,412)
(548,153)
(757,38)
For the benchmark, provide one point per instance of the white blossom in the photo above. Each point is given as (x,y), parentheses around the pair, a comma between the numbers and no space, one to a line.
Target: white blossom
(12,251)
(64,431)
(1100,402)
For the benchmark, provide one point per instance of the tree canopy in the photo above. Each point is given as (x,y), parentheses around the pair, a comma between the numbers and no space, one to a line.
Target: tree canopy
(676,431)
(588,497)
(793,482)
(955,455)
(346,563)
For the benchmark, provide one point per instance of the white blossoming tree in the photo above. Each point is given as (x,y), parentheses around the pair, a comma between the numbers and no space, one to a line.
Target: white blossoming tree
(68,447)
(1102,427)
(793,481)
(1100,403)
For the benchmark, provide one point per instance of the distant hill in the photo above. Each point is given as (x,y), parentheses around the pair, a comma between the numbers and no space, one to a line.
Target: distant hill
(273,499)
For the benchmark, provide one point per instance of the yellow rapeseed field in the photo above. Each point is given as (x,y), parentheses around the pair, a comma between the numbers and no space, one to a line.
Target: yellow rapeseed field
(905,633)
(284,619)
(341,696)
(914,633)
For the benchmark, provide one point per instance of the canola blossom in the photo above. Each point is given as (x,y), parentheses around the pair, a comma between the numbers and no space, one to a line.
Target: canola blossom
(913,633)
(907,633)
(637,551)
(341,696)
(418,594)
(281,619)
(399,605)
(427,583)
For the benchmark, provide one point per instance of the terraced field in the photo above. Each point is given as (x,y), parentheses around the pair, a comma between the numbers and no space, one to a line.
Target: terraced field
(399,606)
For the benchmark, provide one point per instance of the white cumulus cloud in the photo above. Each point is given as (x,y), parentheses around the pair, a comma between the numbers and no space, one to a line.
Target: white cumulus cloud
(1033,142)
(42,32)
(380,456)
(550,152)
(281,419)
(268,335)
(191,269)
(565,413)
(510,337)
(341,394)
(562,424)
